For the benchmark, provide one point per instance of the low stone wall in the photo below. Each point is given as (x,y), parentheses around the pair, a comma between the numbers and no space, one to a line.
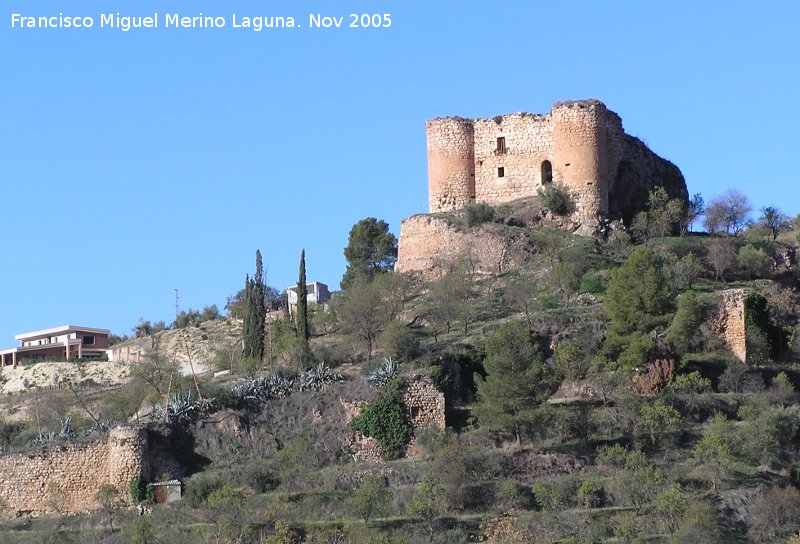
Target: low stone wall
(65,476)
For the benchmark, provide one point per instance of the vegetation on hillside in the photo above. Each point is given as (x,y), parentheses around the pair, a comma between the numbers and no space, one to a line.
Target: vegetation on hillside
(590,397)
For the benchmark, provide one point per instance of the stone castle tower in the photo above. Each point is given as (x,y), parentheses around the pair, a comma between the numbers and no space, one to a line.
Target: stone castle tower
(580,145)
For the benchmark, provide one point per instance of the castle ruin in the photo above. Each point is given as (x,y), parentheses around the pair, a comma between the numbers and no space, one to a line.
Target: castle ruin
(580,145)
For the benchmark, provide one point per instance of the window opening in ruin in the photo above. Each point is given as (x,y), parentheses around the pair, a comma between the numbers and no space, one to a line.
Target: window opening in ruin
(501,172)
(547,173)
(501,145)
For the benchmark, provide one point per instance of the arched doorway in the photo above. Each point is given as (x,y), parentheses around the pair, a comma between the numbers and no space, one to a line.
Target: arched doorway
(547,173)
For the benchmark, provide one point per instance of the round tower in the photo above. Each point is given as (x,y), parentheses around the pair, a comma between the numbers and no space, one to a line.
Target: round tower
(126,456)
(451,163)
(583,151)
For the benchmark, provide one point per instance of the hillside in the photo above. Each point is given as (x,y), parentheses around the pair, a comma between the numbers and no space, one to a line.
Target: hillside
(637,388)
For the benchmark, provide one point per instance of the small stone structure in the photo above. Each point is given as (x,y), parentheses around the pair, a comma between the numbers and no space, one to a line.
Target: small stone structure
(425,404)
(166,492)
(727,318)
(65,476)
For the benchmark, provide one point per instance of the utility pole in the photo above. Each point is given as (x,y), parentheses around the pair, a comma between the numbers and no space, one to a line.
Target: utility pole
(177,306)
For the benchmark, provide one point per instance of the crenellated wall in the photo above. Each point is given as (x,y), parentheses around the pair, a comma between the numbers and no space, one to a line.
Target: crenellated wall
(66,475)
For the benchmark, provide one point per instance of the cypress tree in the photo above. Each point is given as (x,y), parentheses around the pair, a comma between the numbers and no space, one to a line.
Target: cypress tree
(255,312)
(302,301)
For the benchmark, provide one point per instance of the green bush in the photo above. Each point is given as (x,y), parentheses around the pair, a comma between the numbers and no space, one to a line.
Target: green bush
(398,341)
(200,486)
(570,362)
(592,282)
(557,199)
(259,474)
(386,421)
(140,491)
(478,213)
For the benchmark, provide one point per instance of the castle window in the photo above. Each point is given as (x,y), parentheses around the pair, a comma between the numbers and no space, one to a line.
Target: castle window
(547,173)
(501,172)
(501,145)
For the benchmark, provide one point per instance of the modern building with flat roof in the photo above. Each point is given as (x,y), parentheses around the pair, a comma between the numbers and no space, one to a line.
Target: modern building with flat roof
(59,343)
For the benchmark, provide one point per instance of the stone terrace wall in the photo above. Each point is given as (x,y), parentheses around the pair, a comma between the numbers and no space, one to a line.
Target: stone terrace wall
(727,318)
(75,469)
(430,245)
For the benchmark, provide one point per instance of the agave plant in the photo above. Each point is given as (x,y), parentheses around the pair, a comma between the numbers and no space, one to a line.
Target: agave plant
(381,375)
(42,439)
(66,428)
(318,377)
(182,409)
(261,389)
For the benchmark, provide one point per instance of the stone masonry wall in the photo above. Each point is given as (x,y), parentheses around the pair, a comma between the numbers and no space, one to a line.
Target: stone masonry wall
(72,470)
(425,404)
(430,245)
(728,319)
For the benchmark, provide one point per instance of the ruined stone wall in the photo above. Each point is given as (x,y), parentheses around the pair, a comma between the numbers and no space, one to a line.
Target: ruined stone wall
(727,317)
(67,474)
(430,245)
(425,404)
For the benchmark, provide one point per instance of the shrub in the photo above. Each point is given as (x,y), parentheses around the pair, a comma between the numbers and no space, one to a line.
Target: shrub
(386,421)
(590,494)
(592,282)
(200,486)
(398,340)
(557,199)
(259,475)
(570,362)
(140,491)
(477,213)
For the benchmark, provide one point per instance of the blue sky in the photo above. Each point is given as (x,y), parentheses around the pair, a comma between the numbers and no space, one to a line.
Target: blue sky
(135,163)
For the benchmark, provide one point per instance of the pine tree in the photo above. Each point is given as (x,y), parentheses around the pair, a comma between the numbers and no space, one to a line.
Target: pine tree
(255,312)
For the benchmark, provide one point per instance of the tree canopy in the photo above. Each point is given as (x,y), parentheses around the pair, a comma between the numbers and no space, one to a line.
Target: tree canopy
(638,293)
(371,250)
(517,382)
